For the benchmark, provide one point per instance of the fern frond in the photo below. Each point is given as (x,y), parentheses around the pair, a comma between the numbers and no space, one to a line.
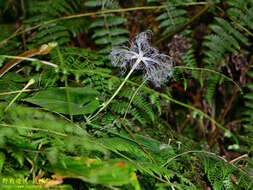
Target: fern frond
(107,29)
(249,105)
(221,174)
(41,11)
(13,44)
(210,89)
(11,82)
(137,116)
(226,38)
(172,18)
(139,101)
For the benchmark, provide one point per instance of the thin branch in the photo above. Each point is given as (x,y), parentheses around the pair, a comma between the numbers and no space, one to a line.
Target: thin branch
(98,13)
(238,158)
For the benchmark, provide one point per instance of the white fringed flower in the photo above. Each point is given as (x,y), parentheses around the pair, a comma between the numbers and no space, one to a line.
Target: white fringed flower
(140,56)
(156,66)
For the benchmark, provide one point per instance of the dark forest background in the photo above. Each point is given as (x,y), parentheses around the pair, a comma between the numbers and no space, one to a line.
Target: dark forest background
(58,71)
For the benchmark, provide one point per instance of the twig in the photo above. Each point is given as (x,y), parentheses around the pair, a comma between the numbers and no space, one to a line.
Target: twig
(35,158)
(184,25)
(236,90)
(238,158)
(97,13)
(31,81)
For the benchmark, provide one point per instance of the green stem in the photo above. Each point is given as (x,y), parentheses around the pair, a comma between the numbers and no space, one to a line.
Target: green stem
(128,107)
(31,81)
(68,99)
(30,59)
(166,97)
(105,104)
(211,71)
(66,83)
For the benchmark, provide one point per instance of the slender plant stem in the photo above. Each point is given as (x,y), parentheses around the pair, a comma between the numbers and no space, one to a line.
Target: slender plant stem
(128,107)
(98,13)
(133,162)
(192,151)
(17,91)
(68,98)
(132,139)
(211,71)
(30,59)
(135,140)
(215,133)
(66,83)
(31,81)
(166,97)
(105,104)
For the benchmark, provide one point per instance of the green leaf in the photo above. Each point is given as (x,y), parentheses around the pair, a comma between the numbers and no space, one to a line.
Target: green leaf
(112,32)
(1,60)
(11,82)
(19,156)
(111,21)
(250,73)
(2,159)
(93,3)
(250,86)
(115,40)
(82,100)
(249,96)
(185,84)
(112,172)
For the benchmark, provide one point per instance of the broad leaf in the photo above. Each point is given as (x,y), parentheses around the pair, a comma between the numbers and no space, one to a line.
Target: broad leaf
(82,100)
(112,172)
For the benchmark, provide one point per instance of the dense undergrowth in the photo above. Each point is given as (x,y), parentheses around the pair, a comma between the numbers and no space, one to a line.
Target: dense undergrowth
(182,117)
